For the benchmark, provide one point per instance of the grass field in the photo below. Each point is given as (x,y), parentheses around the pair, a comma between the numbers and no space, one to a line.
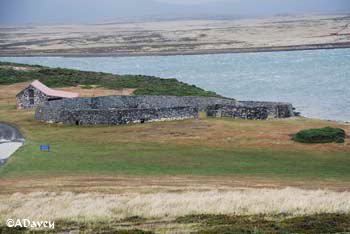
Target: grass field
(189,158)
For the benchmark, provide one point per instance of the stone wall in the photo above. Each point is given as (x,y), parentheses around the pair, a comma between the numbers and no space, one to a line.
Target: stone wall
(22,98)
(274,109)
(124,109)
(138,102)
(113,116)
(128,109)
(237,112)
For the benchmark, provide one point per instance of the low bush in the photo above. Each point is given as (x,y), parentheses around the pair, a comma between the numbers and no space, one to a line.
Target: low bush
(321,135)
(62,77)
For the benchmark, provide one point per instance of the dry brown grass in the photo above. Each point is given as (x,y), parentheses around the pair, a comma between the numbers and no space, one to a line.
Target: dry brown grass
(104,207)
(220,133)
(152,184)
(98,91)
(8,92)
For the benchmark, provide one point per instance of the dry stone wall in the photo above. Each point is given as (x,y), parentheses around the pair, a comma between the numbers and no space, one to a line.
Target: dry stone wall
(238,112)
(117,110)
(23,101)
(274,109)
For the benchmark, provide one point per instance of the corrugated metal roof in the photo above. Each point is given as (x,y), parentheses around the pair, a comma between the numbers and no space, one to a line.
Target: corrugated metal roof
(51,92)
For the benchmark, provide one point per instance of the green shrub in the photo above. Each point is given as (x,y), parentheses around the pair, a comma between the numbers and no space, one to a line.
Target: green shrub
(62,77)
(321,135)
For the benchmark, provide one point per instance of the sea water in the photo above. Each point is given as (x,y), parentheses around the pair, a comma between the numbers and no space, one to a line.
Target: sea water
(316,82)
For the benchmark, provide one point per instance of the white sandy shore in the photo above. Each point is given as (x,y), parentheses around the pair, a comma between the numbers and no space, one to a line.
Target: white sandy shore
(7,149)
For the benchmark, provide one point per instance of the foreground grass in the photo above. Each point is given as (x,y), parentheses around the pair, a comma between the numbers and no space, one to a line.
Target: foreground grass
(60,77)
(80,207)
(206,224)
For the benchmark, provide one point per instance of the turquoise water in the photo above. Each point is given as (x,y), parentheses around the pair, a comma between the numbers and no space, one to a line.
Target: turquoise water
(316,82)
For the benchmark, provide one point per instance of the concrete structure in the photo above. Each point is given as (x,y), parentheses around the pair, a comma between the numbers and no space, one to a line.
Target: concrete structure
(37,93)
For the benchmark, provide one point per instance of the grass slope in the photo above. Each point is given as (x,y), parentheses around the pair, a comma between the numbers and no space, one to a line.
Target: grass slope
(61,77)
(214,147)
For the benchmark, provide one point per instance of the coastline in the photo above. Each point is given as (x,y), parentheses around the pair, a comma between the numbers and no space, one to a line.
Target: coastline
(343,45)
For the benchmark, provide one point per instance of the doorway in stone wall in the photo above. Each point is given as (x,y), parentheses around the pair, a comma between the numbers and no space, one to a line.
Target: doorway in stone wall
(31,96)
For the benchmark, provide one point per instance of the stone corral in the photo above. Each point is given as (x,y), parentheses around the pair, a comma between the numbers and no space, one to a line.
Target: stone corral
(238,112)
(117,110)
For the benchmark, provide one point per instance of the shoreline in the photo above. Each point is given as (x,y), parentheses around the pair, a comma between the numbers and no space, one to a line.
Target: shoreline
(343,45)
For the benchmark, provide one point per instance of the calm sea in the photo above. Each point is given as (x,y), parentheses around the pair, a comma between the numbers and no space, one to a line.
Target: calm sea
(316,82)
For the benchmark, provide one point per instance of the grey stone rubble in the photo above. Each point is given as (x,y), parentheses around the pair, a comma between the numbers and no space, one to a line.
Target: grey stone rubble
(115,110)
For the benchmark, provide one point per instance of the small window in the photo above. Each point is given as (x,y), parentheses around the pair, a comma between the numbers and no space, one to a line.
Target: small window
(31,96)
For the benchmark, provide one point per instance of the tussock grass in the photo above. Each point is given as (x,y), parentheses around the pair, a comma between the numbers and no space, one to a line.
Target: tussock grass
(104,207)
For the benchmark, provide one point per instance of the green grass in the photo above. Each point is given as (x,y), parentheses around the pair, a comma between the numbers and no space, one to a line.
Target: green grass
(61,77)
(88,155)
(157,159)
(321,135)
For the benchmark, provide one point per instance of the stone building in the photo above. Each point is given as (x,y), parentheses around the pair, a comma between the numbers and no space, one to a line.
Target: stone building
(37,93)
